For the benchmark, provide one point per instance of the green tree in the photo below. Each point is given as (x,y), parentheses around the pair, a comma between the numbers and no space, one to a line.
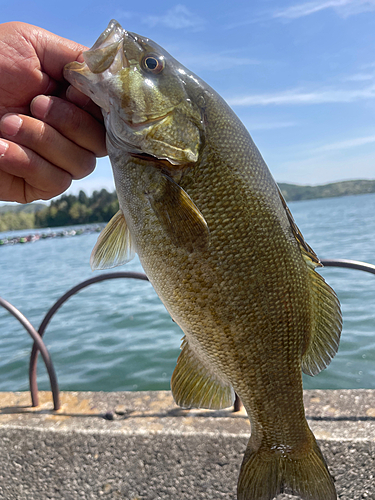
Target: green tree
(11,221)
(79,213)
(82,198)
(64,211)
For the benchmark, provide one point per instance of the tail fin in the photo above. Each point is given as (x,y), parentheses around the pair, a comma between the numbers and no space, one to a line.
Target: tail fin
(265,473)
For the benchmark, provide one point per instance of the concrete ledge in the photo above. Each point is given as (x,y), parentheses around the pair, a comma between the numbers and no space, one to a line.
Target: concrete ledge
(141,446)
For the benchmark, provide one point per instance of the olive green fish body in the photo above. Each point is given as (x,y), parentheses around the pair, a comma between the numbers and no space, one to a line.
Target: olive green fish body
(219,245)
(245,285)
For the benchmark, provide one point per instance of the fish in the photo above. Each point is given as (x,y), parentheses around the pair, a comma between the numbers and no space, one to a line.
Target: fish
(217,241)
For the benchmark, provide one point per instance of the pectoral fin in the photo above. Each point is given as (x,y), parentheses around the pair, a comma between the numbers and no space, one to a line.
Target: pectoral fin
(179,216)
(114,246)
(194,386)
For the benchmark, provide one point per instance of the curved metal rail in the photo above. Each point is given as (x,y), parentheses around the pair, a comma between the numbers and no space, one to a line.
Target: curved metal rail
(349,264)
(43,350)
(40,346)
(37,335)
(47,318)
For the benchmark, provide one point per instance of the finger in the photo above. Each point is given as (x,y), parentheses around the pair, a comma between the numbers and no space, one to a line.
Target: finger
(72,122)
(84,102)
(48,143)
(25,176)
(12,188)
(52,50)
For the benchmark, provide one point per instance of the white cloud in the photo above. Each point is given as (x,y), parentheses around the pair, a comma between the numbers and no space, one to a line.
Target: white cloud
(331,162)
(366,73)
(344,8)
(216,61)
(298,96)
(360,77)
(270,125)
(179,17)
(349,143)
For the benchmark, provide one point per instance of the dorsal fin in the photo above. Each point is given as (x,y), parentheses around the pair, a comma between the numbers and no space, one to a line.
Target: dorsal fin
(323,341)
(307,251)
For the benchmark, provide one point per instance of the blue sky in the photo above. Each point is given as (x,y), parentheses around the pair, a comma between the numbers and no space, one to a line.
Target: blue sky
(300,75)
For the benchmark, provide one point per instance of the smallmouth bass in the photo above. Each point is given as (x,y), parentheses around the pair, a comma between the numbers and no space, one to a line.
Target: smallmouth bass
(220,246)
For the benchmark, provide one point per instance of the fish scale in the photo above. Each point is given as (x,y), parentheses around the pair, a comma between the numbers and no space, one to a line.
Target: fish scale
(220,246)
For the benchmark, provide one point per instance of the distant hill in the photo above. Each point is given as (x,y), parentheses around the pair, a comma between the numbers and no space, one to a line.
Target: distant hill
(294,192)
(29,208)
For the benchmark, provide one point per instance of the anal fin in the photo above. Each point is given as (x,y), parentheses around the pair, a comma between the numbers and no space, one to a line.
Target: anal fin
(194,386)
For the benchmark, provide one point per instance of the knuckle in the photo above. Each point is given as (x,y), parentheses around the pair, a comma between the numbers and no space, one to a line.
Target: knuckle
(65,117)
(60,188)
(31,194)
(55,189)
(86,165)
(72,118)
(77,125)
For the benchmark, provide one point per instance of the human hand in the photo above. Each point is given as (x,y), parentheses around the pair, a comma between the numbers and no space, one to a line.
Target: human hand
(49,133)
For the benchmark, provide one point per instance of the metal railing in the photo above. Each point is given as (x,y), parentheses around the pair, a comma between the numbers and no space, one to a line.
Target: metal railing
(37,335)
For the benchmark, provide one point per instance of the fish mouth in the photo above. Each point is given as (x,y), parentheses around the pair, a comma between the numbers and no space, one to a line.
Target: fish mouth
(100,57)
(103,62)
(106,77)
(103,53)
(114,33)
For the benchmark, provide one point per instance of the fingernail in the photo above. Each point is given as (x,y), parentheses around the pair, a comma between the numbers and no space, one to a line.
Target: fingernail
(40,106)
(10,124)
(3,147)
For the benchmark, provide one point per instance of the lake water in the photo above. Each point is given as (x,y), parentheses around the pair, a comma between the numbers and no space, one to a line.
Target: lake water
(117,335)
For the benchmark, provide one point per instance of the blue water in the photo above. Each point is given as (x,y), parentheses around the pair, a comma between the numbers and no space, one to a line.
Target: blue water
(117,335)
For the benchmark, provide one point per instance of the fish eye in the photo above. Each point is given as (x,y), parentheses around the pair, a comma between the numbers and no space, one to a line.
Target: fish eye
(153,64)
